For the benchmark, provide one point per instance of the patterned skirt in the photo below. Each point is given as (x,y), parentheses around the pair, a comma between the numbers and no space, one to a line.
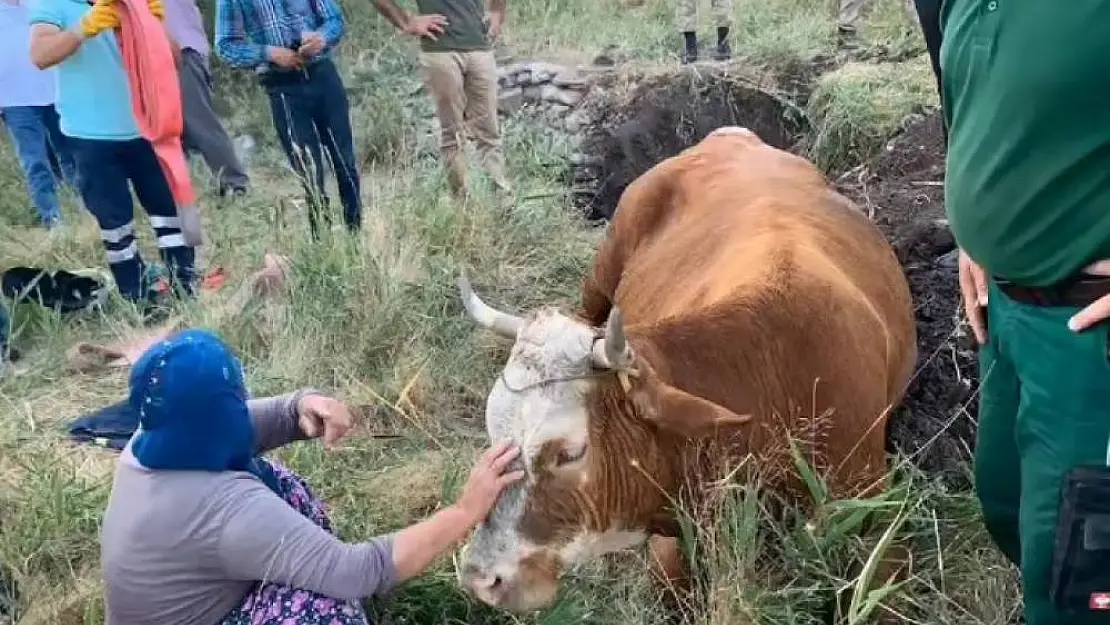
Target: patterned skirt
(275,604)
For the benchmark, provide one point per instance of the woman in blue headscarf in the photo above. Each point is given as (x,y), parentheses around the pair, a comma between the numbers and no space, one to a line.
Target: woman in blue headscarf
(201,530)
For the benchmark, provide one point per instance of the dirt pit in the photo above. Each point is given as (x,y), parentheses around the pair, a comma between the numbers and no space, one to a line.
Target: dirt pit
(901,189)
(662,115)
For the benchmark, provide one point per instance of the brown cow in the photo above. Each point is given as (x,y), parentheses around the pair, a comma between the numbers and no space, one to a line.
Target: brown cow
(735,293)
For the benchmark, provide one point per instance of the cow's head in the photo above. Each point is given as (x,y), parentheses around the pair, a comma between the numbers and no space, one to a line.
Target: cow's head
(598,434)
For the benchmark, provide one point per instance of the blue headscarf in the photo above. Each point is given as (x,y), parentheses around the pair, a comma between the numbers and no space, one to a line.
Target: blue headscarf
(189,394)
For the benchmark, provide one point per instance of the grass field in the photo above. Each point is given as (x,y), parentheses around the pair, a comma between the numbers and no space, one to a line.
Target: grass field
(377,319)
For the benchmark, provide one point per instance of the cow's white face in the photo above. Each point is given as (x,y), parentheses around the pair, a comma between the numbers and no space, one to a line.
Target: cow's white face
(539,397)
(542,525)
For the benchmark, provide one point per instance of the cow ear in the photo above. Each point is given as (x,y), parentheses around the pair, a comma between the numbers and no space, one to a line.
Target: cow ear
(683,413)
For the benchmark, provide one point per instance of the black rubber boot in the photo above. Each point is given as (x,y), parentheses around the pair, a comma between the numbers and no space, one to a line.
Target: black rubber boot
(690,54)
(724,50)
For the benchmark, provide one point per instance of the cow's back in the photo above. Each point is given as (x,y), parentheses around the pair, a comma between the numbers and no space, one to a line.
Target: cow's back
(761,289)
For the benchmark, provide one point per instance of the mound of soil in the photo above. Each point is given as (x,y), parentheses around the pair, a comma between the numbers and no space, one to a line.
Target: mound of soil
(902,189)
(663,115)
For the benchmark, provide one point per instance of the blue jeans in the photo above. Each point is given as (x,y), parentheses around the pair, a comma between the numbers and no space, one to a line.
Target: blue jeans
(106,168)
(43,153)
(312,114)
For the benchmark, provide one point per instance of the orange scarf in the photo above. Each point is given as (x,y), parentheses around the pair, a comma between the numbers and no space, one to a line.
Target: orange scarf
(156,100)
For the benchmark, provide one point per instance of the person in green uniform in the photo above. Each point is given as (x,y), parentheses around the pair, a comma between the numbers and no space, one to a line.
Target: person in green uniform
(459,71)
(1026,87)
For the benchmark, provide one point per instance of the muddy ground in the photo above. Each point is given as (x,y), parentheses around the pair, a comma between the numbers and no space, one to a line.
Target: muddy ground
(901,189)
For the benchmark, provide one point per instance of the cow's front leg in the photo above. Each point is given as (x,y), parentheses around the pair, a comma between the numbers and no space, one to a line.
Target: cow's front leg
(668,565)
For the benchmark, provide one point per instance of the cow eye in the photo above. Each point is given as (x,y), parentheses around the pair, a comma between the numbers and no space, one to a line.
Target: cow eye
(567,456)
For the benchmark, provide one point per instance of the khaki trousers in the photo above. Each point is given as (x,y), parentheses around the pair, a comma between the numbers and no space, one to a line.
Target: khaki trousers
(686,14)
(463,86)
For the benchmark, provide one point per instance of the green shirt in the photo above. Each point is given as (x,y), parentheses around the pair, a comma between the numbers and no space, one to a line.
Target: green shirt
(466,27)
(1027,95)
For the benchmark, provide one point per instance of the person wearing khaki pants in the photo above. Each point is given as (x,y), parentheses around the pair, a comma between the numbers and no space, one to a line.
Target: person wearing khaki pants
(686,18)
(460,72)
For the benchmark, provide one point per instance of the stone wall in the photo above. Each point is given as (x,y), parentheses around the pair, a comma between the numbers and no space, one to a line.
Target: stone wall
(547,90)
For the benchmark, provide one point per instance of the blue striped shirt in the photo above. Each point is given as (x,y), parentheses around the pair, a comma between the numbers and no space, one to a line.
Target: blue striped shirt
(245,28)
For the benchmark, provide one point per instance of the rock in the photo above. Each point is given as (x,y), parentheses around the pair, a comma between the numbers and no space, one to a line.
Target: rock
(581,160)
(566,97)
(950,261)
(576,121)
(509,101)
(558,110)
(543,72)
(524,78)
(570,80)
(611,55)
(507,82)
(532,93)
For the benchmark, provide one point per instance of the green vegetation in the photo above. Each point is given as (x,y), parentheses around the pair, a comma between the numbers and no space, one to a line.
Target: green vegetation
(378,320)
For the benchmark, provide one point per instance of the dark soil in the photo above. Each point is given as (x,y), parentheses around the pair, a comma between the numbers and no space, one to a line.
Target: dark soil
(662,117)
(901,189)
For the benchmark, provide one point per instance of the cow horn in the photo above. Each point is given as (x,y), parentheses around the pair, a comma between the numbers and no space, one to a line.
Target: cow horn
(485,315)
(613,351)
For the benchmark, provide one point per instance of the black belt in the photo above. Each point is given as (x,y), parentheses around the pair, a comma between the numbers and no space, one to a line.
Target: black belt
(284,77)
(1076,292)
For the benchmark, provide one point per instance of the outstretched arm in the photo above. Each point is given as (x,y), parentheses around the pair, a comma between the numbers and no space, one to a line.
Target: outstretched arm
(415,25)
(395,14)
(298,416)
(275,420)
(262,537)
(496,13)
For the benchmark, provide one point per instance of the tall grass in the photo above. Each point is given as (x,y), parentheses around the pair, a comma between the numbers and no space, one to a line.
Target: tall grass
(856,108)
(376,318)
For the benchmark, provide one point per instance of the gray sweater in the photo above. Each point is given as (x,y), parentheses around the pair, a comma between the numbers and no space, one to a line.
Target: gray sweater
(185,547)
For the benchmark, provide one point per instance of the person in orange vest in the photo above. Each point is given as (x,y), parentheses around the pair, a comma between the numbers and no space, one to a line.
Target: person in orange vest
(113,159)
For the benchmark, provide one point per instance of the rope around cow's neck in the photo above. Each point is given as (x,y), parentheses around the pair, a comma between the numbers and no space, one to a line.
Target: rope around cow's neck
(569,378)
(622,375)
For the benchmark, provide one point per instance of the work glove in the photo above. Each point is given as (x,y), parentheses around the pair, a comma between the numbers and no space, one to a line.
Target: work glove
(156,8)
(101,17)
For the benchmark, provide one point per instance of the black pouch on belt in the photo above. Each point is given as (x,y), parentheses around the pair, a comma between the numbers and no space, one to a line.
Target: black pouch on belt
(1081,557)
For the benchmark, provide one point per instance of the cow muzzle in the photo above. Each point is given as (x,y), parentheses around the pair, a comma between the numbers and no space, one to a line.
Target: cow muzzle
(531,585)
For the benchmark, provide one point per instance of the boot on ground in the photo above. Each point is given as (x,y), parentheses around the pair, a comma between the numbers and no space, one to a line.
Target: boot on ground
(724,49)
(690,52)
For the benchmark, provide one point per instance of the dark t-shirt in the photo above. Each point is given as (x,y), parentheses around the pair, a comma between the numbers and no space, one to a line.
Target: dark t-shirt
(466,28)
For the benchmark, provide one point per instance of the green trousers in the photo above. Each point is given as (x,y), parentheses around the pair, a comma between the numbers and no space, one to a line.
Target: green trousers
(1044,407)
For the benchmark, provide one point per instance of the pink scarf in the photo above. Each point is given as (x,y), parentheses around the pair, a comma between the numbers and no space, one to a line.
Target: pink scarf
(156,100)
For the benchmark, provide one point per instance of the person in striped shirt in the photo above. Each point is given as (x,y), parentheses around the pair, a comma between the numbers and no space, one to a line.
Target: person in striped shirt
(288,44)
